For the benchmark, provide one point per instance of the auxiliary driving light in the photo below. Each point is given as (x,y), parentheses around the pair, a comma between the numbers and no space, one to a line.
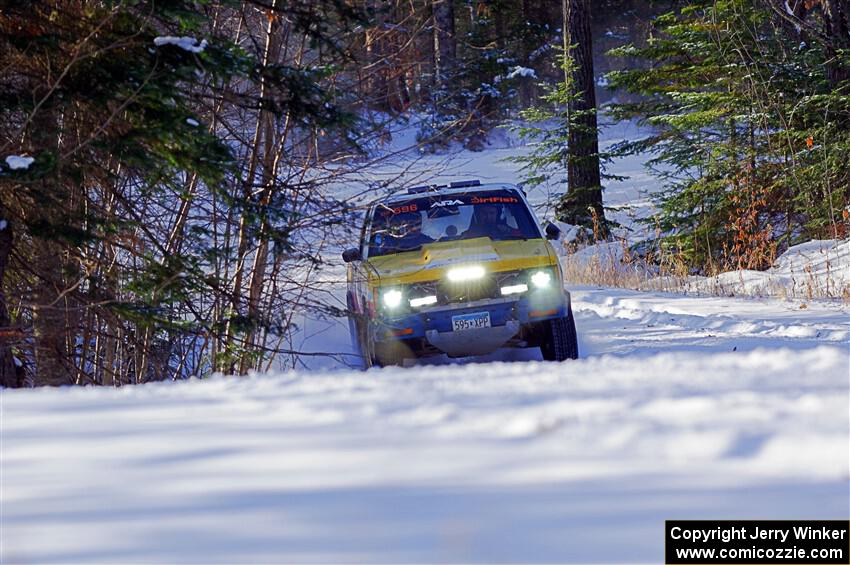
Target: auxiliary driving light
(541,279)
(469,273)
(514,289)
(424,301)
(392,298)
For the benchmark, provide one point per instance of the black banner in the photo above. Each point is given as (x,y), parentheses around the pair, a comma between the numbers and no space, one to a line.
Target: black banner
(763,542)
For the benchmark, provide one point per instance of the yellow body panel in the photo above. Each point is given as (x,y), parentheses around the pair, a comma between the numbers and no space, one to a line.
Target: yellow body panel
(433,260)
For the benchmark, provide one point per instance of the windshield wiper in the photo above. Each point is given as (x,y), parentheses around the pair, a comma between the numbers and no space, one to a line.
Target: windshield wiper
(393,249)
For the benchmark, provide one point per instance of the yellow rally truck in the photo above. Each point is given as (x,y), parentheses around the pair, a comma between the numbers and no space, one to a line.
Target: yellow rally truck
(462,269)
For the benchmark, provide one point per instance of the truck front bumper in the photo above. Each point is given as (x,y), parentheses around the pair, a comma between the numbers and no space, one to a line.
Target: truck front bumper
(507,318)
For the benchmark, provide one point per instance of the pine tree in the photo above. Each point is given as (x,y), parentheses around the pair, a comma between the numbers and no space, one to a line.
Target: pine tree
(549,129)
(114,267)
(752,131)
(582,204)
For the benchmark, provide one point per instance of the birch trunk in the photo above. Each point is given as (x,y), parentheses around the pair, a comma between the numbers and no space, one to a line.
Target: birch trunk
(445,45)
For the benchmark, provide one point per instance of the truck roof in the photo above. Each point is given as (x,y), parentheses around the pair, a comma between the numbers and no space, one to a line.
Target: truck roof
(463,187)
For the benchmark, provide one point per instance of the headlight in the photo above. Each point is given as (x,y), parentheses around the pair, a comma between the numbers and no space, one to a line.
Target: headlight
(392,298)
(514,289)
(469,273)
(424,301)
(541,279)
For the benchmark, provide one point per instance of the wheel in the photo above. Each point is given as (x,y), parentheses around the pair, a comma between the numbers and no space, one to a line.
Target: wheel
(353,324)
(365,344)
(380,354)
(559,338)
(391,354)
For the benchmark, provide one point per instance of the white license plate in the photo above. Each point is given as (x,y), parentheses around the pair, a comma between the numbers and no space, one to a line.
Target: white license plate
(471,321)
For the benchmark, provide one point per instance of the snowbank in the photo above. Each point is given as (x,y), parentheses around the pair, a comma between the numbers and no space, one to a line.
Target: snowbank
(812,270)
(816,269)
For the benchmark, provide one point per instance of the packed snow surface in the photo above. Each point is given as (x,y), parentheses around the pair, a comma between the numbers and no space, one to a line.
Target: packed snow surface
(16,162)
(681,407)
(186,43)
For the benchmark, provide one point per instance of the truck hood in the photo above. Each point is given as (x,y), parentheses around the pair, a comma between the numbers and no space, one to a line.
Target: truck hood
(433,260)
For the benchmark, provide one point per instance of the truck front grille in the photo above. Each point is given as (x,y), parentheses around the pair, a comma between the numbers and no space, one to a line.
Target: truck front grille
(469,291)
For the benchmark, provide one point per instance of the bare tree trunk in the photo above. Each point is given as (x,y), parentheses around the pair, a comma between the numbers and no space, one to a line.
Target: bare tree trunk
(8,373)
(526,86)
(52,362)
(271,53)
(835,14)
(377,93)
(108,378)
(583,199)
(499,25)
(258,271)
(445,44)
(51,353)
(264,141)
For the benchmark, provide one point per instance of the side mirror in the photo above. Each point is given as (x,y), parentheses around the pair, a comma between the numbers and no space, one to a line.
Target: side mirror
(352,254)
(552,231)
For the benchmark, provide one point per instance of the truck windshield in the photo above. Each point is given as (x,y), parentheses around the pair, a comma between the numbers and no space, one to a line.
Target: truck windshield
(408,225)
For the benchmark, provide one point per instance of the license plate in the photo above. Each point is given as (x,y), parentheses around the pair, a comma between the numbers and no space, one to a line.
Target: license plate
(471,321)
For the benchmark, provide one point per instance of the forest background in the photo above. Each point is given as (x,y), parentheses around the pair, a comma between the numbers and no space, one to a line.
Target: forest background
(169,170)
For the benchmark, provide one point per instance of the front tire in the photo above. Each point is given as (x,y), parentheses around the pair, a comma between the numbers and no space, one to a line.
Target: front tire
(391,354)
(560,341)
(383,354)
(366,345)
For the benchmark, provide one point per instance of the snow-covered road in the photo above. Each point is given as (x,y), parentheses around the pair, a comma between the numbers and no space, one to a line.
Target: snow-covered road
(682,407)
